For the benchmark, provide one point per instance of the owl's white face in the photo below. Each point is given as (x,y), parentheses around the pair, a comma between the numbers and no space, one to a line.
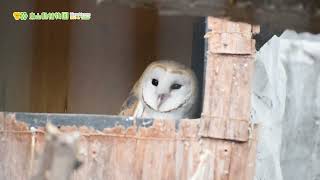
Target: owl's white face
(166,89)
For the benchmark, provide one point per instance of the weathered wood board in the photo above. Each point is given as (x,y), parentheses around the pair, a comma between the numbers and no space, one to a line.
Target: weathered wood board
(157,149)
(227,102)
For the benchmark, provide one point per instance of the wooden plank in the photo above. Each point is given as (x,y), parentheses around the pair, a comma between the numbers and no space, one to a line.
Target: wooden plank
(229,69)
(228,82)
(187,151)
(158,163)
(227,97)
(228,37)
(226,110)
(163,150)
(218,128)
(227,160)
(15,150)
(118,152)
(244,157)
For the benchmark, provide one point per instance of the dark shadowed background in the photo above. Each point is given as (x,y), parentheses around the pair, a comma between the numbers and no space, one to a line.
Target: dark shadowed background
(87,66)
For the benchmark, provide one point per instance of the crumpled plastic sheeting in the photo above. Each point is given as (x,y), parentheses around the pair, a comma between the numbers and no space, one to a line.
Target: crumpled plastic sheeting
(286,102)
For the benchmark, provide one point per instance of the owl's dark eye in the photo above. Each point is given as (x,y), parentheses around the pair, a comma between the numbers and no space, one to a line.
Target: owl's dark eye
(155,82)
(176,86)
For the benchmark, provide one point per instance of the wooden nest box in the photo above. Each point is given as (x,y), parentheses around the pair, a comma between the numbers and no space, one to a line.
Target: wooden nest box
(219,145)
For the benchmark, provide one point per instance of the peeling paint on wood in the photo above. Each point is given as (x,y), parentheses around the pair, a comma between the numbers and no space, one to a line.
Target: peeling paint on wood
(226,107)
(158,152)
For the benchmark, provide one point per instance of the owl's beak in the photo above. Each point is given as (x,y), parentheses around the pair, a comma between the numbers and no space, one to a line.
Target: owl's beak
(161,99)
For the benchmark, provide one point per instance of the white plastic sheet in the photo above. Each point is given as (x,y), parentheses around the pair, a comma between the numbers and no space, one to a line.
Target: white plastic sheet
(286,102)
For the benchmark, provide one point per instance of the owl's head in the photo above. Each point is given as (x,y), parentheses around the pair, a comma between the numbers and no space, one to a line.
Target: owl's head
(167,86)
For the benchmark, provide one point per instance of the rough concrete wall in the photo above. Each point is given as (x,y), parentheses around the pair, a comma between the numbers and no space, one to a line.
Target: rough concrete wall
(286,101)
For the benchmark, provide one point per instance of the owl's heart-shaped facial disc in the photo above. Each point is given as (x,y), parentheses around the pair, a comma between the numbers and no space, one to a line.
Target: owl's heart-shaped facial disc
(168,87)
(166,90)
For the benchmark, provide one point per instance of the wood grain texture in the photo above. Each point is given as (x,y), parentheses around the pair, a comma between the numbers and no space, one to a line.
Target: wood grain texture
(227,104)
(157,152)
(161,151)
(229,68)
(228,37)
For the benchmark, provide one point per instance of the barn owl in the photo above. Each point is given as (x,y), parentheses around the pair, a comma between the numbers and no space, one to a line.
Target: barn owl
(166,90)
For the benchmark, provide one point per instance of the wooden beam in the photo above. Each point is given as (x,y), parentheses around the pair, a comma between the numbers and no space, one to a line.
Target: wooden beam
(225,123)
(300,15)
(229,68)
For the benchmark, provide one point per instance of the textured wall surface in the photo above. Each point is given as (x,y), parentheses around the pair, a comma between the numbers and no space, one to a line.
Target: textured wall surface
(286,102)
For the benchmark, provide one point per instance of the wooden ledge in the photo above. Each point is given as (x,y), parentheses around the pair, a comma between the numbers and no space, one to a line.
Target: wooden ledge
(232,130)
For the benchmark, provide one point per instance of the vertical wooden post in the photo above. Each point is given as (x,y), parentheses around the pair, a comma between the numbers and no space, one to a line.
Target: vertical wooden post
(226,107)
